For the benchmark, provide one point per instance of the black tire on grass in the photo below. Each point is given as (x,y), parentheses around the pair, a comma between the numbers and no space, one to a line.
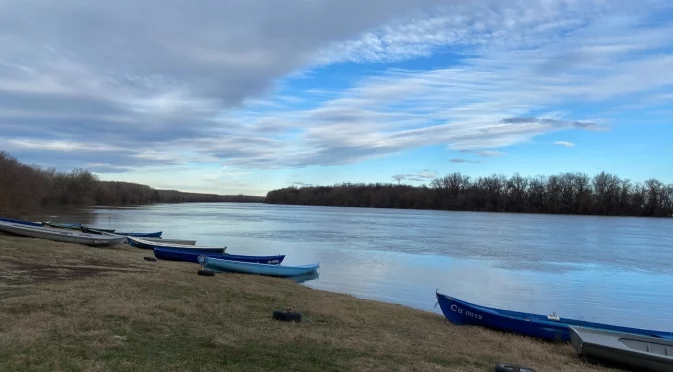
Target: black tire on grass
(506,367)
(206,273)
(151,259)
(287,316)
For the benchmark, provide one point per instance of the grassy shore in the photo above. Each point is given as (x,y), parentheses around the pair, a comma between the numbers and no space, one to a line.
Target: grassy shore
(68,307)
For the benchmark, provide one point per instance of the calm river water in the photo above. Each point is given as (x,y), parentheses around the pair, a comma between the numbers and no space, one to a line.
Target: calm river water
(607,269)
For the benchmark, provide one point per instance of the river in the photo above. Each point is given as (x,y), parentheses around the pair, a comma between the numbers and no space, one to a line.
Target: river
(616,270)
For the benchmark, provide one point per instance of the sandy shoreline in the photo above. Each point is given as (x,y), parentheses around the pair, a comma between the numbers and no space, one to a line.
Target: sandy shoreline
(72,307)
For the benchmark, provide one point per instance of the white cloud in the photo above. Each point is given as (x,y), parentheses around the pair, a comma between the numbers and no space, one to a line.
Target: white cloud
(200,79)
(564,143)
(484,103)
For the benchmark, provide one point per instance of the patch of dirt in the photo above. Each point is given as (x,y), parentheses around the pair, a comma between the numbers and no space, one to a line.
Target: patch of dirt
(20,273)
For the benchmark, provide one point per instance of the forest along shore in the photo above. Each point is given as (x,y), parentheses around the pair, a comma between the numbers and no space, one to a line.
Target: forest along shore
(566,193)
(25,189)
(67,306)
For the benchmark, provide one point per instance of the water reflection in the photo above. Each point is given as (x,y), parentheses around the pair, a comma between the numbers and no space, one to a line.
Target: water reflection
(304,278)
(611,270)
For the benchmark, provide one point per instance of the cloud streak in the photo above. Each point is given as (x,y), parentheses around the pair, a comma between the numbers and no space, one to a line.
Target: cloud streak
(461,160)
(554,122)
(564,143)
(486,153)
(421,176)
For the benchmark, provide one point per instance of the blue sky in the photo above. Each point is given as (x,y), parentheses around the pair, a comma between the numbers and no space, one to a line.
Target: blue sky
(244,97)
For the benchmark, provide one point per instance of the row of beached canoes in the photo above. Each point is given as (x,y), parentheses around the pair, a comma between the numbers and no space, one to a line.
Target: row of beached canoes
(209,257)
(624,347)
(640,349)
(215,259)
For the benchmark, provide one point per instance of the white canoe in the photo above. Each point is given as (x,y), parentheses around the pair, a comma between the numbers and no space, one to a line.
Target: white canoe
(61,235)
(172,241)
(151,244)
(623,349)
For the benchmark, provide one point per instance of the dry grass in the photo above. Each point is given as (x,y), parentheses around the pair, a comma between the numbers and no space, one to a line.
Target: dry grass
(74,308)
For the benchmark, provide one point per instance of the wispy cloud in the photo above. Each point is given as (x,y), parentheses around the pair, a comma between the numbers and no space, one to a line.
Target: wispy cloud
(560,123)
(421,176)
(461,160)
(487,153)
(564,143)
(300,183)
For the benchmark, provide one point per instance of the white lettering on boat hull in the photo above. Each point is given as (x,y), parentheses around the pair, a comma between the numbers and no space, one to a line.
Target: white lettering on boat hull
(459,310)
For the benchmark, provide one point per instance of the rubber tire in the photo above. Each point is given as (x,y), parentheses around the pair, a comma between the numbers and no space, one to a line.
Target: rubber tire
(151,259)
(286,316)
(506,367)
(206,273)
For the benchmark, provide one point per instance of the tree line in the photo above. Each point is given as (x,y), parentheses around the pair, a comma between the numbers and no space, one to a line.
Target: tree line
(25,188)
(565,193)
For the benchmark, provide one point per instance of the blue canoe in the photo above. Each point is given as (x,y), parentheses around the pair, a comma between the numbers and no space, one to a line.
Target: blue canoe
(216,264)
(547,327)
(148,244)
(173,254)
(20,222)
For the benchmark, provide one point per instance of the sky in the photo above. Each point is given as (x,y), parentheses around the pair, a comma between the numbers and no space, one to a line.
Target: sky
(247,96)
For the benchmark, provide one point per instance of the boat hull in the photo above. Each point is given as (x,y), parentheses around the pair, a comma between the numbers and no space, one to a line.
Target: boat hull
(172,241)
(147,244)
(95,230)
(623,349)
(220,265)
(61,235)
(20,222)
(141,235)
(191,256)
(460,313)
(540,326)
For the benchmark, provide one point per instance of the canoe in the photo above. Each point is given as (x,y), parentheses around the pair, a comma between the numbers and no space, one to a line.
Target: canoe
(95,230)
(172,241)
(216,264)
(141,235)
(20,222)
(147,244)
(547,327)
(154,235)
(191,256)
(641,353)
(77,226)
(61,235)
